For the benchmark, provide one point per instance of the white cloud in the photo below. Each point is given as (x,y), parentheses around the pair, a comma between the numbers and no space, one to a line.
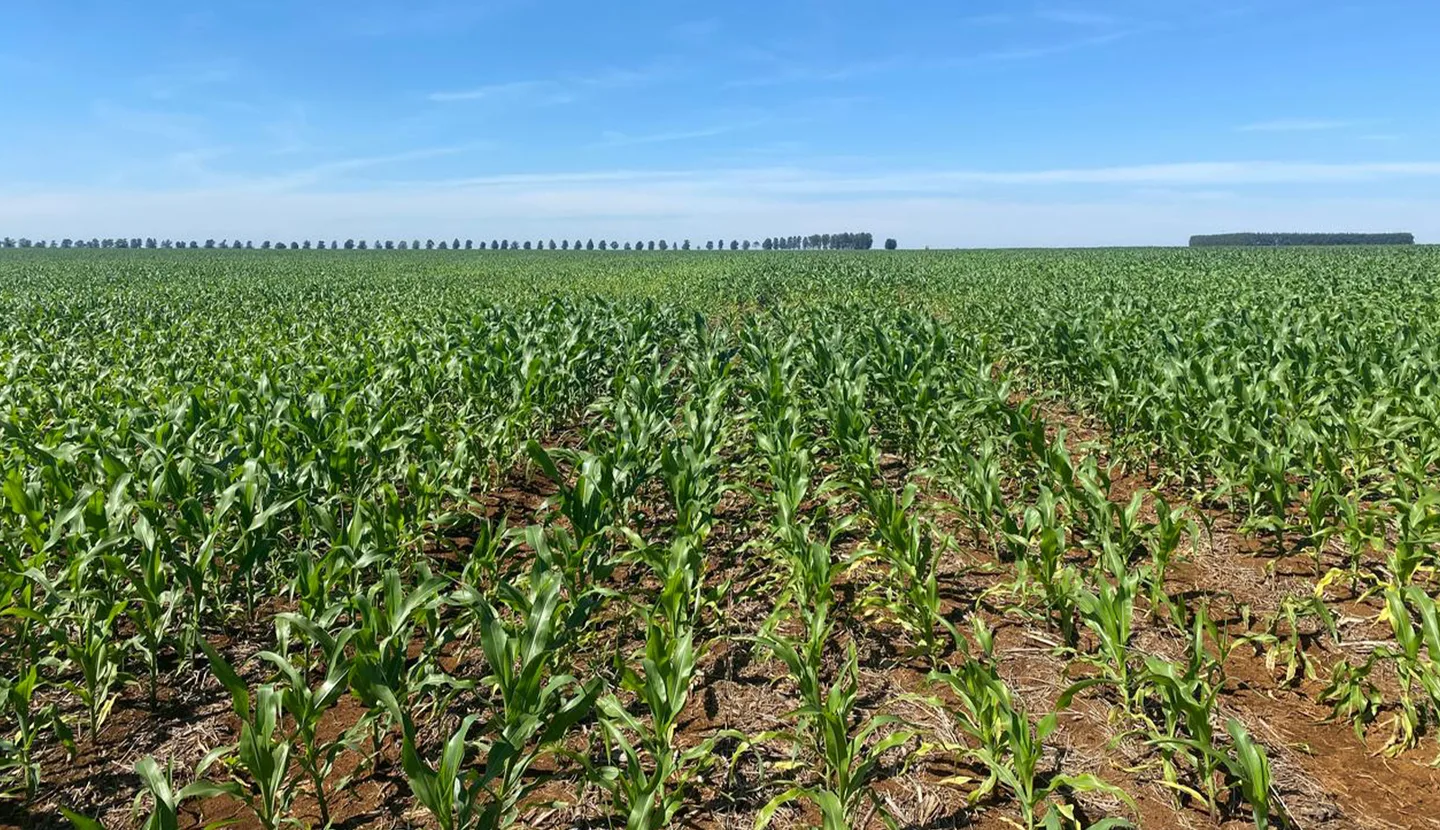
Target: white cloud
(1077,17)
(1158,204)
(619,139)
(562,90)
(1294,125)
(508,89)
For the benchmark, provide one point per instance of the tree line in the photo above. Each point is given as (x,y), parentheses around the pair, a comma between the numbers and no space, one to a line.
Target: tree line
(1279,240)
(818,241)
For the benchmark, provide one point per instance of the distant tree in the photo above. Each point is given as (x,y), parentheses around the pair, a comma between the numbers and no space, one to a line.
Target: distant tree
(564,244)
(589,244)
(686,246)
(443,246)
(891,244)
(494,246)
(709,244)
(745,245)
(349,244)
(469,244)
(734,244)
(363,245)
(455,244)
(552,244)
(639,246)
(527,244)
(1280,240)
(614,246)
(664,246)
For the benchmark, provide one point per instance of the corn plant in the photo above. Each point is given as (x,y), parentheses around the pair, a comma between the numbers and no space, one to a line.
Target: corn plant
(538,706)
(1009,745)
(159,786)
(650,794)
(841,739)
(261,760)
(1109,612)
(306,706)
(17,750)
(1250,768)
(91,651)
(909,547)
(153,608)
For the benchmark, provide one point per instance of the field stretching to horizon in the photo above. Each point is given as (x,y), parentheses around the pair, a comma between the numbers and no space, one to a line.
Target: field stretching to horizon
(1059,539)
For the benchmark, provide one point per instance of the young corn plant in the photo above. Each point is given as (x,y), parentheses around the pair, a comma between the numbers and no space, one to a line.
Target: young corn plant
(1249,768)
(650,785)
(165,801)
(1186,697)
(1353,695)
(154,600)
(1009,746)
(1109,612)
(1163,540)
(91,651)
(841,738)
(1283,641)
(30,722)
(907,544)
(261,760)
(389,618)
(306,706)
(538,707)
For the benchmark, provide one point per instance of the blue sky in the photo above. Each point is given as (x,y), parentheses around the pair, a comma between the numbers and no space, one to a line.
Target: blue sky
(939,123)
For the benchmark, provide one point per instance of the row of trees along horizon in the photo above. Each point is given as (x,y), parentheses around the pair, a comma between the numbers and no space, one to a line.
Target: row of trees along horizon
(814,242)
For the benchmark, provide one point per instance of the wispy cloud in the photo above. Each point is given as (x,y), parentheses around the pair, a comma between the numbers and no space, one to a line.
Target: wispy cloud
(794,73)
(809,183)
(174,127)
(336,169)
(695,31)
(1077,17)
(181,80)
(1295,125)
(379,18)
(723,203)
(508,89)
(551,91)
(1022,53)
(619,139)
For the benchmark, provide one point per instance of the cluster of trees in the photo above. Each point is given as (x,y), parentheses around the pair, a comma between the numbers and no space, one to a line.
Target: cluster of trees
(819,241)
(1277,240)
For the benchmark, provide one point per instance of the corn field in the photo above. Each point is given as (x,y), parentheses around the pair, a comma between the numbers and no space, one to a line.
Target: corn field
(845,540)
